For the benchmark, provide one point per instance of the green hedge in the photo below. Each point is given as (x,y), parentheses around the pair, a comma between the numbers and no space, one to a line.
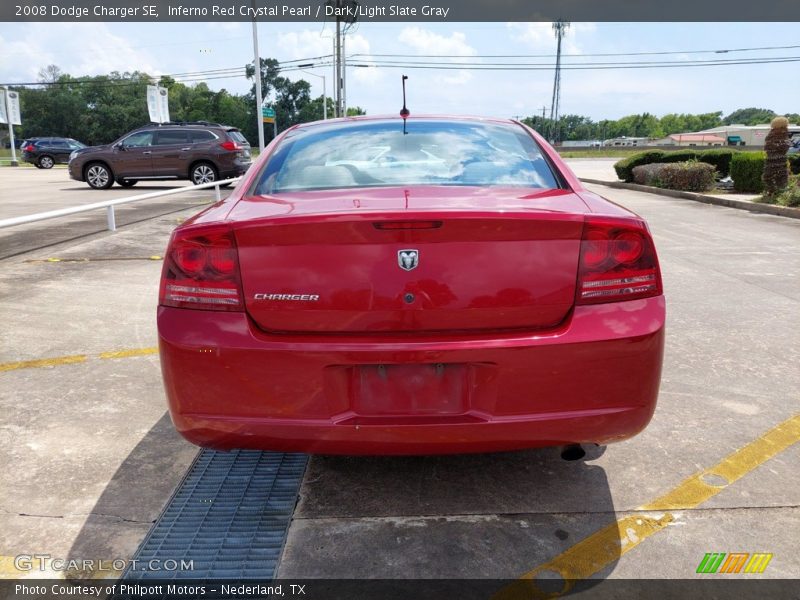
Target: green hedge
(691,176)
(624,167)
(719,157)
(794,163)
(746,171)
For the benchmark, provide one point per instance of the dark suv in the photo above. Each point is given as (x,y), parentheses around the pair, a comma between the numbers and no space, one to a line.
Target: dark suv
(201,152)
(44,152)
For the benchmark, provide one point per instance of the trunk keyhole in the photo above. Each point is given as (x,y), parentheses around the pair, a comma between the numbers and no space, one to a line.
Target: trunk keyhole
(409,298)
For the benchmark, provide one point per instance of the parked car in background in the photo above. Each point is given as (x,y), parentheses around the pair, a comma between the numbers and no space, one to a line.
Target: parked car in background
(200,151)
(795,147)
(44,152)
(440,285)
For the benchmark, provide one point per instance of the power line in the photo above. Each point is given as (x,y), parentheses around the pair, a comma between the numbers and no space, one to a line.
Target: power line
(211,74)
(596,66)
(606,54)
(587,64)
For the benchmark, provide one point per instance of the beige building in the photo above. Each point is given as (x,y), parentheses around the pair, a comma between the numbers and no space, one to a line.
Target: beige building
(695,139)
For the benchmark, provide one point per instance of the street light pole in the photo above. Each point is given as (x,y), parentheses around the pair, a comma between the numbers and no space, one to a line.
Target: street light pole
(7,108)
(259,99)
(324,92)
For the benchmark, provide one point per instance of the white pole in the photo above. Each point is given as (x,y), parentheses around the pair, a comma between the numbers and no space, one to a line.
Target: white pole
(344,77)
(259,100)
(14,162)
(112,222)
(324,100)
(324,92)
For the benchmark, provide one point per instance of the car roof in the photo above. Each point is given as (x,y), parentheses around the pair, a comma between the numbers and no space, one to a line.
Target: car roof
(397,117)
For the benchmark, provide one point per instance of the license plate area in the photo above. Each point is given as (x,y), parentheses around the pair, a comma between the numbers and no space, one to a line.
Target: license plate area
(410,390)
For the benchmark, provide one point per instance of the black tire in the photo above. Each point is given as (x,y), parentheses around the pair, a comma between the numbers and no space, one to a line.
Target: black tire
(36,164)
(98,176)
(126,183)
(45,162)
(203,172)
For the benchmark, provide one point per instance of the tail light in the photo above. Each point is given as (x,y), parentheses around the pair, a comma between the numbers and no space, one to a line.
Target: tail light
(231,146)
(30,148)
(618,262)
(201,270)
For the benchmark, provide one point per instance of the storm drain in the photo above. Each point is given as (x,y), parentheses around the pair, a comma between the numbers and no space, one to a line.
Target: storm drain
(227,519)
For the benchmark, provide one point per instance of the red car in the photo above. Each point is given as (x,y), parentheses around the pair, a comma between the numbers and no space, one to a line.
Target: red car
(441,285)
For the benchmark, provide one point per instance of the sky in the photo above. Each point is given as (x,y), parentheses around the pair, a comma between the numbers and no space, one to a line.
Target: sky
(165,48)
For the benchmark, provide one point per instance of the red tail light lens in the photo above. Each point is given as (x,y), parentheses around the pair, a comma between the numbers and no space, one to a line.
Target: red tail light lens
(618,262)
(201,270)
(30,148)
(230,146)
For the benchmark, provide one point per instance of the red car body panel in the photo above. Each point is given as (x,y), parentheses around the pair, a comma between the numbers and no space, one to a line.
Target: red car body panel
(482,348)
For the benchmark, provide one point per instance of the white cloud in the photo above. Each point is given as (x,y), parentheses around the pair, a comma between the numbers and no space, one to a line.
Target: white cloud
(428,43)
(303,44)
(77,48)
(541,37)
(294,45)
(424,41)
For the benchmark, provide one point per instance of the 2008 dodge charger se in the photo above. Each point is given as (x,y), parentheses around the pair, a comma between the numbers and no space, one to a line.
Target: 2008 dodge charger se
(411,286)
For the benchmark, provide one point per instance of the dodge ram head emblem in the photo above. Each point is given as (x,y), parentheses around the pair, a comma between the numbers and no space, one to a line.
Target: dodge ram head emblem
(408,259)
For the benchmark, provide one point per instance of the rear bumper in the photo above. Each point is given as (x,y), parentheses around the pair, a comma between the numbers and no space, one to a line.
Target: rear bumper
(594,380)
(239,167)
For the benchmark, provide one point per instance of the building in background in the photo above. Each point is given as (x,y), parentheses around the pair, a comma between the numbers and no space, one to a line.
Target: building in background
(693,139)
(745,135)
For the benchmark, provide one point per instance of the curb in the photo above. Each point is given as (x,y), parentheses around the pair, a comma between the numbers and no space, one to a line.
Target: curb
(770,209)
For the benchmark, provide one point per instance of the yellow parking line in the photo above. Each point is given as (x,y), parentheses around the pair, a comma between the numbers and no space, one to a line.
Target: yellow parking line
(43,362)
(603,547)
(76,358)
(129,353)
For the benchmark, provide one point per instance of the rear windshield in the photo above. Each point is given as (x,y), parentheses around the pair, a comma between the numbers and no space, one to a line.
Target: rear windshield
(427,152)
(237,137)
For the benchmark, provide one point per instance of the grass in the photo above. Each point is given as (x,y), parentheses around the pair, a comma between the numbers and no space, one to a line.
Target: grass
(601,152)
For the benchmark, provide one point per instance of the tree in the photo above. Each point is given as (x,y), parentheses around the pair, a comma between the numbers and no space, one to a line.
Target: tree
(749,116)
(776,168)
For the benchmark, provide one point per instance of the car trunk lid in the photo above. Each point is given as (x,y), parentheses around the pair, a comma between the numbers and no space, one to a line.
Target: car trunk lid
(409,260)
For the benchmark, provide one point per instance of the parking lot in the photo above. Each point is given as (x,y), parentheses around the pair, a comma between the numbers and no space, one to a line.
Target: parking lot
(91,457)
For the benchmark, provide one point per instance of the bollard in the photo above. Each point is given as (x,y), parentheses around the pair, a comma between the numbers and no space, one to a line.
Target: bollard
(216,189)
(112,223)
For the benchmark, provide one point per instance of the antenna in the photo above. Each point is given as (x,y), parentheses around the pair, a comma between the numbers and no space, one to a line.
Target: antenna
(404,112)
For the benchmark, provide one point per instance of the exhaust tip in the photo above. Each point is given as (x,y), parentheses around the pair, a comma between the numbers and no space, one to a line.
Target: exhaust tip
(572,452)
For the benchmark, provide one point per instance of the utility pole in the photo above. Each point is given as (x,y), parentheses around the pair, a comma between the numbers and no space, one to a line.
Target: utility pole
(344,76)
(348,9)
(259,99)
(560,28)
(302,68)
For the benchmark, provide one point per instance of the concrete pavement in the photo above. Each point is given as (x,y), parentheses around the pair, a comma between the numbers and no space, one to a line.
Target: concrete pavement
(27,191)
(91,457)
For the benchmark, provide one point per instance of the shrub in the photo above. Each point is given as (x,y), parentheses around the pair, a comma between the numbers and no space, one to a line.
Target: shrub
(794,163)
(624,167)
(746,171)
(679,156)
(691,176)
(647,174)
(791,195)
(776,167)
(719,157)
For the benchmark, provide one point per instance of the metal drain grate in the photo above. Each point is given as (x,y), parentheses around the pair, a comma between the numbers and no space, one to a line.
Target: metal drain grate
(229,517)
